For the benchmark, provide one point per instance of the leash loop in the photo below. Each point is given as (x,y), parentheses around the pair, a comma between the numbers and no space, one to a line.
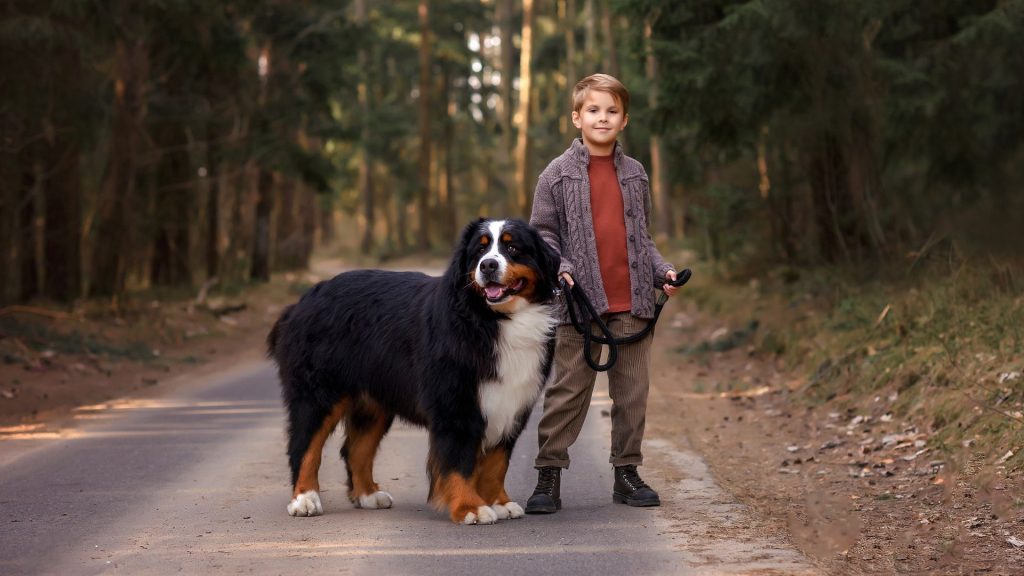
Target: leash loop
(587,315)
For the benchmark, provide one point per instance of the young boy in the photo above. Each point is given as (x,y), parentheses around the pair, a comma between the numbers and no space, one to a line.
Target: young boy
(592,205)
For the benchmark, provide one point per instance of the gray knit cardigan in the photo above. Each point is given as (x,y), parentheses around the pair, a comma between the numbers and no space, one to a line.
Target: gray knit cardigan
(562,214)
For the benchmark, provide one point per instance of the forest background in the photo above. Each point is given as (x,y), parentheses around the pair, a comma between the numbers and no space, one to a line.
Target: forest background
(163,142)
(854,167)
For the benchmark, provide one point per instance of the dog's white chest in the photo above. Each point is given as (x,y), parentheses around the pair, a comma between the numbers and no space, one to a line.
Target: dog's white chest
(521,349)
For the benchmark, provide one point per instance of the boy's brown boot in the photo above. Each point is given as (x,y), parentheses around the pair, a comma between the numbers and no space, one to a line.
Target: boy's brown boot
(631,489)
(546,497)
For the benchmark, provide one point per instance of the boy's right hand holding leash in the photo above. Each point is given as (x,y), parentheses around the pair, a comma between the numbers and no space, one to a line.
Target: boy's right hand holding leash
(568,279)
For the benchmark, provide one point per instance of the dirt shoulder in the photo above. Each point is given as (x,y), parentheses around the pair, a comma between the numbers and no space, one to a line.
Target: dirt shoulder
(858,491)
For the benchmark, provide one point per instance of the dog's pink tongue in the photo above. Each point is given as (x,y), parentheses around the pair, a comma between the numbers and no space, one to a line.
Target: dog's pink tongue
(494,291)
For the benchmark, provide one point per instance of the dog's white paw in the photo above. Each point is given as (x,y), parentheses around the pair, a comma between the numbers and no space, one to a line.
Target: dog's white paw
(501,511)
(514,510)
(306,504)
(379,499)
(483,515)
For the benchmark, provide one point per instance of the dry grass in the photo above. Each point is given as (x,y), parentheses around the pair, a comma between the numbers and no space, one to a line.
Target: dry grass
(940,344)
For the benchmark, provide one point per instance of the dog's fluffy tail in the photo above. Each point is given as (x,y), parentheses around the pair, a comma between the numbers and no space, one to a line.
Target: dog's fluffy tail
(275,331)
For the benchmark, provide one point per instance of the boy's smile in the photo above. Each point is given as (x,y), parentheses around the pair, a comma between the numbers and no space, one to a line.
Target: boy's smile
(600,119)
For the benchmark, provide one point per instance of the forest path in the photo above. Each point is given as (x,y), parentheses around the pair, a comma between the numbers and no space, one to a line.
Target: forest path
(196,482)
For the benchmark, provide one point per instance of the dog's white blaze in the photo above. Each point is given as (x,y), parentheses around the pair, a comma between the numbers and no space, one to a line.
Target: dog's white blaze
(520,349)
(494,229)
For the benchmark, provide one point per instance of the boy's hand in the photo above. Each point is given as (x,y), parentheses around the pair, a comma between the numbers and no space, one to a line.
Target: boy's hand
(568,279)
(669,289)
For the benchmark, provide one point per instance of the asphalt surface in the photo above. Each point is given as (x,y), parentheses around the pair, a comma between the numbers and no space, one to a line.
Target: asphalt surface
(197,483)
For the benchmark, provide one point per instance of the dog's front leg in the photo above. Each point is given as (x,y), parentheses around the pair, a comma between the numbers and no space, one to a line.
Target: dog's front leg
(454,479)
(492,467)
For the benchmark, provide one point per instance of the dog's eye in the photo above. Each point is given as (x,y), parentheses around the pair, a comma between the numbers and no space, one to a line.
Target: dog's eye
(512,250)
(481,249)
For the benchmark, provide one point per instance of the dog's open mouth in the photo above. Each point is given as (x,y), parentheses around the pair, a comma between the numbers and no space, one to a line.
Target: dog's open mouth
(495,292)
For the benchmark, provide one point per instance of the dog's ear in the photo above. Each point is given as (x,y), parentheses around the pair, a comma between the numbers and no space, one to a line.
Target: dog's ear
(548,261)
(461,255)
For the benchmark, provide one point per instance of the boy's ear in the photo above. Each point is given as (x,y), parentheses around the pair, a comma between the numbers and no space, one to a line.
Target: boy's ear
(576,119)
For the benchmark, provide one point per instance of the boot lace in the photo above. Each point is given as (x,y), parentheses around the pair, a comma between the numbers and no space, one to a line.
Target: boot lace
(546,480)
(632,478)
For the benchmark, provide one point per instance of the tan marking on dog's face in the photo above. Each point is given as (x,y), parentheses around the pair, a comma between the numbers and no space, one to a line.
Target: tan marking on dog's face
(309,469)
(485,240)
(528,274)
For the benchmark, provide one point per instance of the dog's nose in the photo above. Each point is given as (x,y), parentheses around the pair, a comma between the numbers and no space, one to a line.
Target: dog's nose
(489,266)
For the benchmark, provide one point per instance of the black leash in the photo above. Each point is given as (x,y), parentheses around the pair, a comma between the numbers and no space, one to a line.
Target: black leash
(575,294)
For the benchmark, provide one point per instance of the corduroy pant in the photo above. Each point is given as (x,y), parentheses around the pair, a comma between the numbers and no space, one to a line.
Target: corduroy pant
(567,399)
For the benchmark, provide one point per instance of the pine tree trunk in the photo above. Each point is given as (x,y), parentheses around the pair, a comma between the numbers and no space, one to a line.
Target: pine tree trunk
(118,200)
(611,52)
(260,268)
(62,220)
(423,174)
(174,206)
(659,176)
(365,161)
(505,200)
(524,198)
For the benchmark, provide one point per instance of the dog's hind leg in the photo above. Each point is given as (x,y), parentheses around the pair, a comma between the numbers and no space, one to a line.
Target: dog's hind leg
(490,482)
(309,427)
(365,426)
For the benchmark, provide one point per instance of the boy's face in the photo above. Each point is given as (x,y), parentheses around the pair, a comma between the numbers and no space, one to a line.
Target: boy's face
(600,119)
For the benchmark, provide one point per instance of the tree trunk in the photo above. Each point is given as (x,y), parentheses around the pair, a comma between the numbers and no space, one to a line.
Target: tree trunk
(611,52)
(567,8)
(659,176)
(260,268)
(524,198)
(62,220)
(216,133)
(447,188)
(830,198)
(174,206)
(590,36)
(503,156)
(288,234)
(365,161)
(423,174)
(118,201)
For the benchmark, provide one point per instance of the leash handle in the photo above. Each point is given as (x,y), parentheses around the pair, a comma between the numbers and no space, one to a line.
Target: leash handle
(575,294)
(681,278)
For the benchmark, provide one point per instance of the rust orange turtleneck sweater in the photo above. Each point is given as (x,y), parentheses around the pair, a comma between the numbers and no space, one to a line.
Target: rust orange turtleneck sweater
(610,232)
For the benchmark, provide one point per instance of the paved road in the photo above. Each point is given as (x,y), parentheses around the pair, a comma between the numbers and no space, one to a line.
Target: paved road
(197,483)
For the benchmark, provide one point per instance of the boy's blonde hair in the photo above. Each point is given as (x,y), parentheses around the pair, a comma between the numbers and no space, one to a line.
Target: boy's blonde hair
(601,83)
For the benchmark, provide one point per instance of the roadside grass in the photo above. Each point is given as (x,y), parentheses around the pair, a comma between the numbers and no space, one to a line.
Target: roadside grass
(940,345)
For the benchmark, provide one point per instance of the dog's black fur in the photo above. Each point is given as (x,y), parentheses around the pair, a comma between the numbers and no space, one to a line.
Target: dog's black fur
(370,345)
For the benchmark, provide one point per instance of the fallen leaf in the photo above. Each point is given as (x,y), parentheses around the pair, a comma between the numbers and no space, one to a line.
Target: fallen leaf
(915,455)
(1007,456)
(1017,542)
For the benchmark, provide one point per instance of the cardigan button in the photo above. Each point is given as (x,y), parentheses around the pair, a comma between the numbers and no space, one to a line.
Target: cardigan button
(633,264)
(632,238)
(629,212)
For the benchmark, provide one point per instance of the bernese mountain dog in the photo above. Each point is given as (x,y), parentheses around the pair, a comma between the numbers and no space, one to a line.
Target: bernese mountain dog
(464,355)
